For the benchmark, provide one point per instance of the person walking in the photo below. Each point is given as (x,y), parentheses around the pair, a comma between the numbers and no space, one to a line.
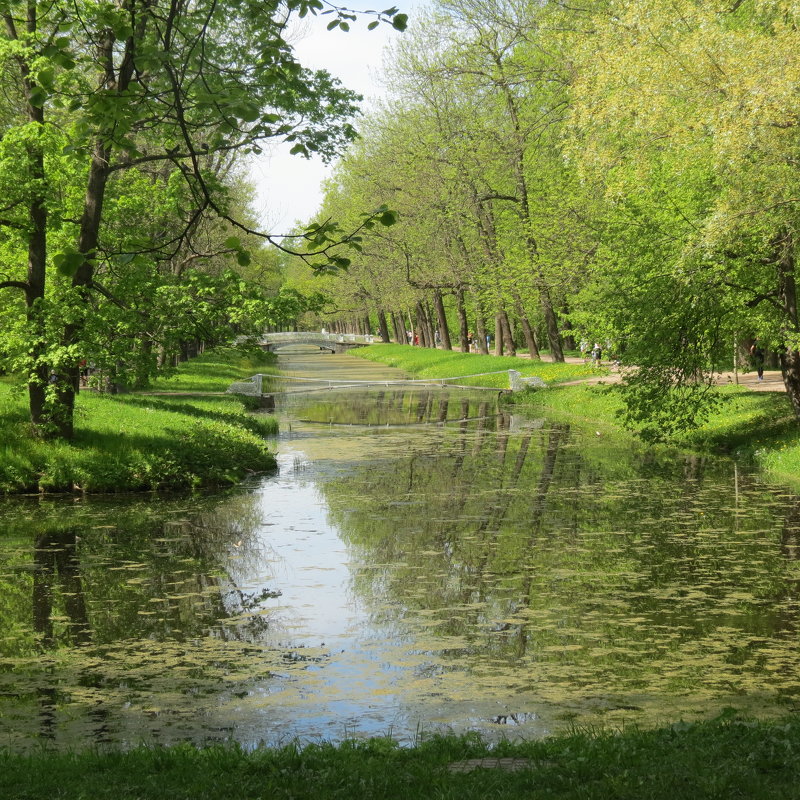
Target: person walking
(597,355)
(757,355)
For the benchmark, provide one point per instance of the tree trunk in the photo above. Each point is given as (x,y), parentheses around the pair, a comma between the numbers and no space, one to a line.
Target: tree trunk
(383,327)
(508,336)
(441,318)
(399,328)
(423,326)
(37,261)
(463,325)
(569,339)
(539,278)
(498,335)
(790,367)
(429,327)
(790,359)
(530,339)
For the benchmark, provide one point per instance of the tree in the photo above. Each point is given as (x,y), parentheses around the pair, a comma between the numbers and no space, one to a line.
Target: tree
(101,91)
(682,117)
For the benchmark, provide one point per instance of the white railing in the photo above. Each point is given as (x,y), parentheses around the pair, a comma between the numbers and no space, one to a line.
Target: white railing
(317,336)
(253,386)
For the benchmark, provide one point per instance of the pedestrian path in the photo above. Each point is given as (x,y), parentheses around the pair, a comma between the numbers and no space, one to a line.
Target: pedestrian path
(773,379)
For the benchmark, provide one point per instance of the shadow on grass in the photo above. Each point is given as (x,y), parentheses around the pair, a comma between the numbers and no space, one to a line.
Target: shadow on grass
(766,419)
(259,425)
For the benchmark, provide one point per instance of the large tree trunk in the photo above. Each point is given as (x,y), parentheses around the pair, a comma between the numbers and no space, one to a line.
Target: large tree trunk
(34,293)
(37,256)
(399,328)
(383,327)
(498,335)
(82,280)
(508,336)
(530,338)
(441,318)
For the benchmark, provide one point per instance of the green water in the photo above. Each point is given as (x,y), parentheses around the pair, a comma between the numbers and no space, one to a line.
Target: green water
(421,561)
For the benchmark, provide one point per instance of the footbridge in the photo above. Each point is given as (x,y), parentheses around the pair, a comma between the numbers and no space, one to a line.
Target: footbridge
(256,386)
(332,342)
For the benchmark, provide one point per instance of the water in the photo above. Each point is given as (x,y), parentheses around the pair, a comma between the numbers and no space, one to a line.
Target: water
(421,561)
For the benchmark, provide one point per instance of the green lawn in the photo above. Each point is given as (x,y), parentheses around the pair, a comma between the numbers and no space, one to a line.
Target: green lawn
(139,441)
(424,362)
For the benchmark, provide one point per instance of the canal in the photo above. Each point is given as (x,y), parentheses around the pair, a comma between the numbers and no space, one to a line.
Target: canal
(424,560)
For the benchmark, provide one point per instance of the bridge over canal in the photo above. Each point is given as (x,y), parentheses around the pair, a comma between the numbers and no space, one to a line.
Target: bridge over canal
(332,342)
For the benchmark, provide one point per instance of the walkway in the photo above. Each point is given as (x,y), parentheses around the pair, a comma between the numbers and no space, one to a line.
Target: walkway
(773,380)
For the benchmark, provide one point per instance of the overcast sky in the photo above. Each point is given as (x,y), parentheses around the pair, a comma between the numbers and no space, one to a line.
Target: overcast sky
(289,186)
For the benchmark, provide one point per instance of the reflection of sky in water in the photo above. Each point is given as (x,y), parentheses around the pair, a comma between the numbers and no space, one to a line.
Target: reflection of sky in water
(311,561)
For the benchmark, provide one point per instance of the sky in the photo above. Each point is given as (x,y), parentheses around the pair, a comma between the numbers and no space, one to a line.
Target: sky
(289,187)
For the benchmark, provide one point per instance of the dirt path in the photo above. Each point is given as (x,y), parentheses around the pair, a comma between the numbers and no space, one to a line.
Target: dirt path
(773,380)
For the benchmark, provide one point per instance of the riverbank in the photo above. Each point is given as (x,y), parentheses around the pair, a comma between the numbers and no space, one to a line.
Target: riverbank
(183,433)
(727,757)
(755,425)
(423,362)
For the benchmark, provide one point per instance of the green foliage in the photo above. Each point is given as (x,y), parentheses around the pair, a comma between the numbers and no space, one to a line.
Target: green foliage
(623,167)
(125,233)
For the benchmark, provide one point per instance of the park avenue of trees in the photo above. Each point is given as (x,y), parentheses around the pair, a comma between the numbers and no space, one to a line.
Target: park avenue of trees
(619,171)
(622,170)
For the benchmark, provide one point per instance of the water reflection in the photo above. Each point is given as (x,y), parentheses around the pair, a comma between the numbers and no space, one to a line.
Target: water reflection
(422,559)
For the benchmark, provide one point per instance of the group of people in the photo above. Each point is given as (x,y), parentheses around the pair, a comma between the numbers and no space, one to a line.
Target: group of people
(472,342)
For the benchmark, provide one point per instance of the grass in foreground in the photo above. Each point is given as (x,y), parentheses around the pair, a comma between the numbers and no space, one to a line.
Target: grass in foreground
(724,758)
(424,362)
(141,442)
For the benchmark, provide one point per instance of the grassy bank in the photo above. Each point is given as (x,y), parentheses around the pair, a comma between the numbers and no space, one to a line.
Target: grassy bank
(717,759)
(755,426)
(423,362)
(141,441)
(758,427)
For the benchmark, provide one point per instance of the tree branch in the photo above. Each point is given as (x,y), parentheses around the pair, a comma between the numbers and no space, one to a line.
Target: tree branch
(14,285)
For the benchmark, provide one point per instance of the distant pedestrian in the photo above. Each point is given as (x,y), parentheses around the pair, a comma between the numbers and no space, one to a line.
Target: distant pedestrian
(597,355)
(757,355)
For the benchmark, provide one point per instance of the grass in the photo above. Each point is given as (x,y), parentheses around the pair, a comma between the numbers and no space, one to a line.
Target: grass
(423,362)
(215,370)
(723,758)
(143,442)
(758,427)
